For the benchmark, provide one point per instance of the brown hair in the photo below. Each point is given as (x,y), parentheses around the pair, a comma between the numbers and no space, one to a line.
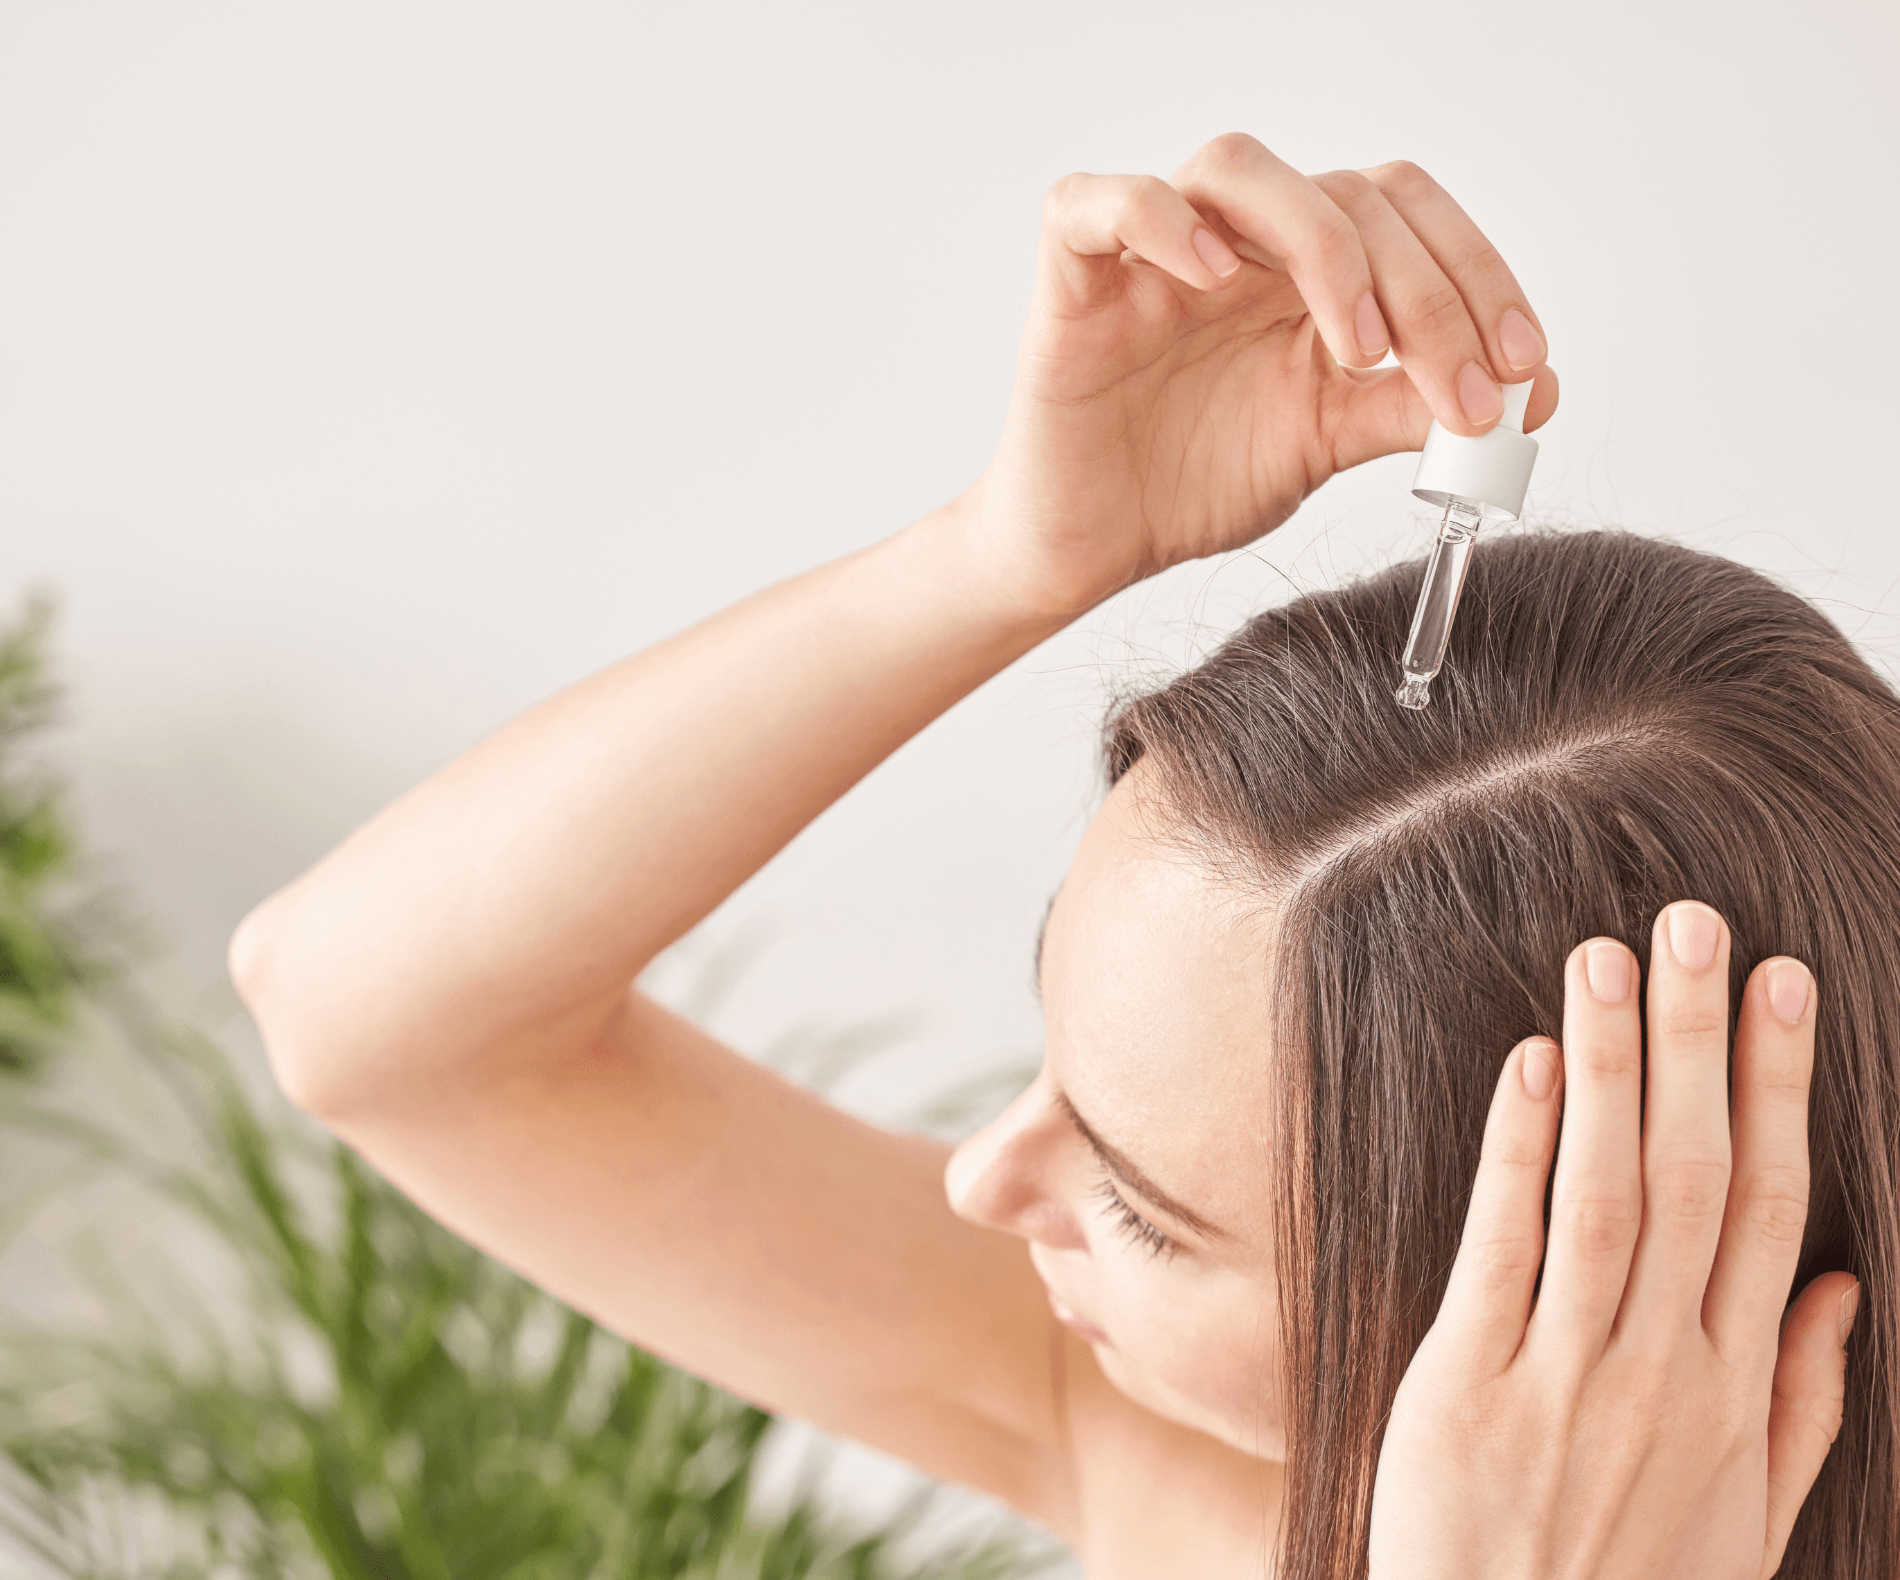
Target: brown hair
(1620,723)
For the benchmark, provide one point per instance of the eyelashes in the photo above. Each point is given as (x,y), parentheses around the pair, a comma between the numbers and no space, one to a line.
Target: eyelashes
(1130,1223)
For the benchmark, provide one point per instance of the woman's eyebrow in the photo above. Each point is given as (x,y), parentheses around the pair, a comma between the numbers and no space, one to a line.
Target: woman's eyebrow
(1124,1169)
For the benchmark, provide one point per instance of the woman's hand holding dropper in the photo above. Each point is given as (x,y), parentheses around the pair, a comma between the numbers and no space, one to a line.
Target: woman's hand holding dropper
(1629,1400)
(1198,361)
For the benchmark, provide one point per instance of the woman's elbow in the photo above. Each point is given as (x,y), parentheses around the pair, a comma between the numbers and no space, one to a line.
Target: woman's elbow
(264,969)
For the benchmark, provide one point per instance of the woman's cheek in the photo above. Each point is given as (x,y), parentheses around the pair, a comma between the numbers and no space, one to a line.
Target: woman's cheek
(1210,1339)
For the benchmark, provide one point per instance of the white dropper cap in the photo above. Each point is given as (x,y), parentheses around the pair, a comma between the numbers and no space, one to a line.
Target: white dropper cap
(1492,471)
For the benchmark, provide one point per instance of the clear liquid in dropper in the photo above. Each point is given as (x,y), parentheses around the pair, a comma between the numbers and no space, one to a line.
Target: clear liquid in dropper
(1438,602)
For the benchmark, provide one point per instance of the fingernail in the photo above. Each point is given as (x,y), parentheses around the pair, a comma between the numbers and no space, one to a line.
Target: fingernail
(1694,932)
(1479,394)
(1540,1069)
(1523,346)
(1850,1308)
(1370,323)
(1215,253)
(1608,968)
(1788,990)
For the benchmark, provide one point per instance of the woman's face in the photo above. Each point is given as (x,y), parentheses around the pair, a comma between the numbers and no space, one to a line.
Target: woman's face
(1137,1165)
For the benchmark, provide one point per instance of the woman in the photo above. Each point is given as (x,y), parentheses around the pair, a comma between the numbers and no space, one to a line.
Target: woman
(1184,1275)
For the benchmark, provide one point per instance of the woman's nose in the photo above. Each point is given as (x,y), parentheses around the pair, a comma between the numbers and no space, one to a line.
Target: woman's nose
(1006,1175)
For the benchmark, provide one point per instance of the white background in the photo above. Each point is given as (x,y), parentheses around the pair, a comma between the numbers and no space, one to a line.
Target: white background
(368,371)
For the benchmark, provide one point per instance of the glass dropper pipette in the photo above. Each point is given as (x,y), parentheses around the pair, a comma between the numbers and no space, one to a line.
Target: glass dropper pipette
(1438,602)
(1475,482)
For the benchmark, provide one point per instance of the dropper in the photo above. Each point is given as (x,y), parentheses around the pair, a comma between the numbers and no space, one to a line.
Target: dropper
(1477,482)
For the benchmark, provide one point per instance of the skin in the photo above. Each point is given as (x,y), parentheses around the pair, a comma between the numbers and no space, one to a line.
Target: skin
(449,990)
(1156,1023)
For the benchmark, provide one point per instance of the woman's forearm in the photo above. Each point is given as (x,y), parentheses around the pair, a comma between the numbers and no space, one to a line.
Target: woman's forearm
(501,908)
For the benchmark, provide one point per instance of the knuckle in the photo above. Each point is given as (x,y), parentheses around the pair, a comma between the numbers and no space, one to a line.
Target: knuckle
(1692,1190)
(1480,258)
(1232,151)
(1061,196)
(1144,200)
(1334,235)
(1515,1153)
(1601,1223)
(1692,1025)
(1774,1204)
(1439,312)
(1401,176)
(1350,189)
(1824,1411)
(1612,1059)
(1505,1254)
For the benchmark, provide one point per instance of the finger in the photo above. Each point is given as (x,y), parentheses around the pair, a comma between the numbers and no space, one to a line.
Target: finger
(1810,1395)
(1767,1210)
(1514,340)
(1089,221)
(1685,1122)
(1434,333)
(1597,1197)
(1488,1300)
(1382,413)
(1280,217)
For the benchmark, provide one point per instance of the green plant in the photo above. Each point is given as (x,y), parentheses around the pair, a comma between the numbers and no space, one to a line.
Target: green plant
(40,973)
(340,1386)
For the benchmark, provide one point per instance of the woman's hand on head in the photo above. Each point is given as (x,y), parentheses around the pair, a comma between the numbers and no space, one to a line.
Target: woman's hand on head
(1200,357)
(1652,1408)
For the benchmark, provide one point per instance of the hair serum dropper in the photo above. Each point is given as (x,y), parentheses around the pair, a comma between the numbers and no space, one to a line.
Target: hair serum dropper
(1477,482)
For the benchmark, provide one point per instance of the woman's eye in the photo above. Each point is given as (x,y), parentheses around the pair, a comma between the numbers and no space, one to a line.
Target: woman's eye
(1131,1223)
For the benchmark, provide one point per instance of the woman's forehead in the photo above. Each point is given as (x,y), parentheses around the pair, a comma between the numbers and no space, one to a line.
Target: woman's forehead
(1157,1002)
(1138,888)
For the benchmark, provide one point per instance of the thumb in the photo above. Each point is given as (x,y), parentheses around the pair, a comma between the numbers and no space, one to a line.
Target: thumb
(1382,412)
(1804,1416)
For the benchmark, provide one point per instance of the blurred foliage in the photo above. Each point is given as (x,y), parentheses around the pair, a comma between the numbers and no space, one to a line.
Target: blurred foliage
(41,975)
(330,1383)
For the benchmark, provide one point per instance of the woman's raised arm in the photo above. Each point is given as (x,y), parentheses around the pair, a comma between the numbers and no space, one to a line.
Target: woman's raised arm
(449,992)
(496,914)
